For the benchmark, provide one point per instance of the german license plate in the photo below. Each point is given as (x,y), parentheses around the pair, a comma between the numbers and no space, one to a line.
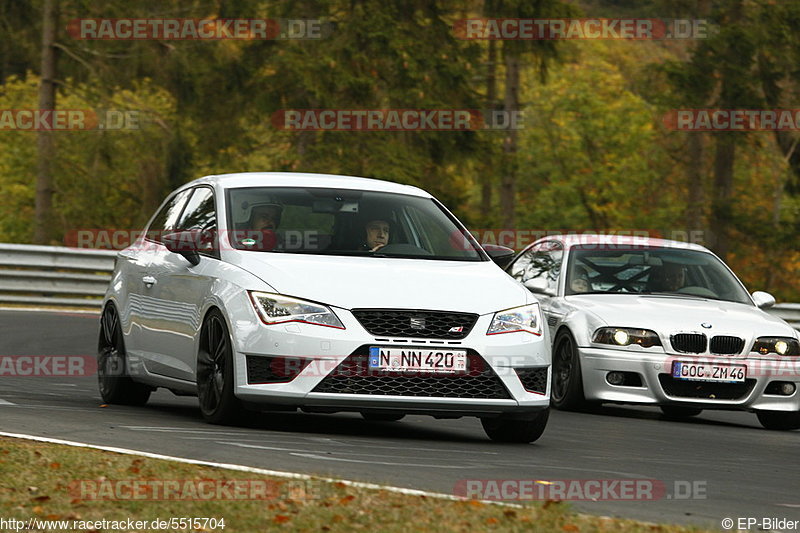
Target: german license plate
(708,372)
(436,361)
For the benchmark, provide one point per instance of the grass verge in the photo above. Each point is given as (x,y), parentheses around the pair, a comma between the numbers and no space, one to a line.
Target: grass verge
(58,482)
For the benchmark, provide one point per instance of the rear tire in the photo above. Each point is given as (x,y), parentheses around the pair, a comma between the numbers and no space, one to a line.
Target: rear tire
(676,411)
(567,390)
(215,384)
(516,430)
(779,420)
(382,417)
(116,386)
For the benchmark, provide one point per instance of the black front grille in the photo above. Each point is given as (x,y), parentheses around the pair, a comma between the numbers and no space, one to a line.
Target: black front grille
(726,345)
(688,342)
(419,324)
(706,390)
(353,376)
(533,379)
(274,369)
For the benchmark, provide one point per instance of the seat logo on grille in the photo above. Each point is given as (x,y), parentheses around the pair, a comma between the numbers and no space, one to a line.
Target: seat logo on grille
(417,322)
(456,329)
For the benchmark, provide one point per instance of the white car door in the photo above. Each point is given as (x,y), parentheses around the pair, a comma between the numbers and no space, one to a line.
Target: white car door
(146,317)
(180,288)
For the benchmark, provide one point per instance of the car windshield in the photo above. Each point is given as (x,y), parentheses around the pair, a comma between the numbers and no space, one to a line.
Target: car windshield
(345,222)
(646,270)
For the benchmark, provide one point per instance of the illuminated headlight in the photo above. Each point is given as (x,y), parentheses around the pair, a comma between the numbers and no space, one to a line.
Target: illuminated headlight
(778,345)
(626,336)
(527,318)
(277,309)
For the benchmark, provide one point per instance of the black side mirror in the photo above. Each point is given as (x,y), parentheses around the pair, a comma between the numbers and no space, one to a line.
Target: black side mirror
(184,243)
(499,254)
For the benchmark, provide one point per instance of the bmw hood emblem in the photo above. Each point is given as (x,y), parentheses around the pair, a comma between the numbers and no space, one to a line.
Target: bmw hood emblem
(706,325)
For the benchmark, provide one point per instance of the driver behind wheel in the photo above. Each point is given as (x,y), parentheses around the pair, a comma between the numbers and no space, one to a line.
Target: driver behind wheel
(580,280)
(377,234)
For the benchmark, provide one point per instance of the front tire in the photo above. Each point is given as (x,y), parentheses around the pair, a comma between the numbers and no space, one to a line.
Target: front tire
(676,411)
(779,420)
(567,393)
(215,384)
(516,430)
(116,387)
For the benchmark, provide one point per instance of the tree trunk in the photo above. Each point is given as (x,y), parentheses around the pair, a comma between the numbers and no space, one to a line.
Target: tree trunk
(43,231)
(491,101)
(721,208)
(509,166)
(696,200)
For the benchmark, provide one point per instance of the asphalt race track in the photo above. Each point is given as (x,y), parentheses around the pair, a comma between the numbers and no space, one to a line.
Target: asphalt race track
(744,470)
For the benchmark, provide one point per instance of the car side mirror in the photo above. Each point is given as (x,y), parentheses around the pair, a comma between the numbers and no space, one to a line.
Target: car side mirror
(763,300)
(499,254)
(183,243)
(539,286)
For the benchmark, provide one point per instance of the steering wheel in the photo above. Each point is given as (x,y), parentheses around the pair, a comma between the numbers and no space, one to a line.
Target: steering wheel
(696,290)
(402,249)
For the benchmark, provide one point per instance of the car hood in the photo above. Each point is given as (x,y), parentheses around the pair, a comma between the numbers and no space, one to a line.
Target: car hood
(675,313)
(374,282)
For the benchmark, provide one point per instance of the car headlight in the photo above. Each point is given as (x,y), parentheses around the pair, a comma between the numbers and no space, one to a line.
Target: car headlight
(278,309)
(778,345)
(527,318)
(626,336)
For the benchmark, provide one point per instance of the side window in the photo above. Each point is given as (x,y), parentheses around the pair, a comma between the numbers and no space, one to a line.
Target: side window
(166,219)
(540,261)
(201,215)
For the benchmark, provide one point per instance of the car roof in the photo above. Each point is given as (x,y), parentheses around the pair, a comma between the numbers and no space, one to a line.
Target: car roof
(574,239)
(302,179)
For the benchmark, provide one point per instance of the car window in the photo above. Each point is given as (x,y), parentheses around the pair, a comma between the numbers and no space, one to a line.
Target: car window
(651,270)
(540,261)
(336,222)
(166,220)
(200,215)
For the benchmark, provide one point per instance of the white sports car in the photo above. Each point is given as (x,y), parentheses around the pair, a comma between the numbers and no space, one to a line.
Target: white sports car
(325,293)
(650,321)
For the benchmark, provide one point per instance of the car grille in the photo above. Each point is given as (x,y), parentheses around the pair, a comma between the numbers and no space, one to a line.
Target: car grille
(726,345)
(353,376)
(420,324)
(705,390)
(688,342)
(274,369)
(533,379)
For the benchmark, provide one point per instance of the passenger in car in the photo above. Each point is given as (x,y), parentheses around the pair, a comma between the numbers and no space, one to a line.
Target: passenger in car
(668,277)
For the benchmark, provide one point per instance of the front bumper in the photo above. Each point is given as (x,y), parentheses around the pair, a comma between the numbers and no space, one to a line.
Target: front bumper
(659,388)
(327,348)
